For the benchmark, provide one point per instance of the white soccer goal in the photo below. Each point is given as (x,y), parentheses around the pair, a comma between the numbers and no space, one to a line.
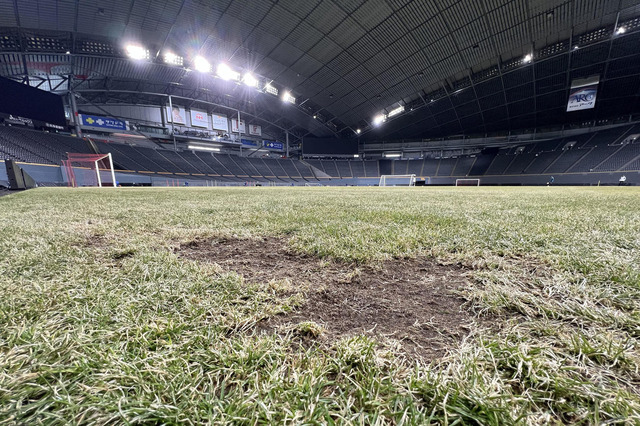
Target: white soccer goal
(312,184)
(90,170)
(397,180)
(467,182)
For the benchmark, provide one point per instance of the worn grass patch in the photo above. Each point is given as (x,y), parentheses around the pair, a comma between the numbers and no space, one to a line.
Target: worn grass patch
(413,303)
(104,320)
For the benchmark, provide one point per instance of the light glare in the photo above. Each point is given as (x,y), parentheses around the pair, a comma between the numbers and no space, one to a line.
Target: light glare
(201,64)
(136,52)
(396,111)
(173,59)
(226,73)
(288,97)
(379,119)
(250,80)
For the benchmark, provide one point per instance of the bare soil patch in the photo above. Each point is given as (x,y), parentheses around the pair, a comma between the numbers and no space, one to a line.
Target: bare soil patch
(410,301)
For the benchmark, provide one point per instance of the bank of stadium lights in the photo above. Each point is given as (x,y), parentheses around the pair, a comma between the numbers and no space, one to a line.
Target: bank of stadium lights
(173,59)
(621,30)
(201,64)
(379,119)
(288,97)
(136,52)
(268,88)
(225,72)
(250,80)
(396,111)
(528,58)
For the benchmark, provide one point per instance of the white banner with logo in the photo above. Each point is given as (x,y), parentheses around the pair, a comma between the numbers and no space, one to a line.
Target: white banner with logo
(220,122)
(234,126)
(583,94)
(255,130)
(199,118)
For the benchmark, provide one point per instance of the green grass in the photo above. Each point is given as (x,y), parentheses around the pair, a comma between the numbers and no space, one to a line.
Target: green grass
(101,321)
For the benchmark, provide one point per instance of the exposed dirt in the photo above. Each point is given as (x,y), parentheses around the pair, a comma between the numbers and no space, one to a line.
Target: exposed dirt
(411,301)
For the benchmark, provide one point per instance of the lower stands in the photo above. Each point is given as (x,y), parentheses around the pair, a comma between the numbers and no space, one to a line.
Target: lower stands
(602,154)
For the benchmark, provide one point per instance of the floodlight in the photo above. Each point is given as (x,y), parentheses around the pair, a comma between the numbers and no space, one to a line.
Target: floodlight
(173,59)
(528,58)
(270,89)
(203,148)
(68,52)
(396,111)
(621,30)
(201,64)
(288,97)
(358,131)
(393,155)
(136,52)
(379,119)
(250,80)
(226,73)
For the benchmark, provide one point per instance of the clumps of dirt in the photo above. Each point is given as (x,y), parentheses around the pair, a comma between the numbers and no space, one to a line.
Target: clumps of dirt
(410,301)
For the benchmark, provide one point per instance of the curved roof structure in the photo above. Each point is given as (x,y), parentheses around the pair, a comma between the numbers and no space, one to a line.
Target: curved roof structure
(446,66)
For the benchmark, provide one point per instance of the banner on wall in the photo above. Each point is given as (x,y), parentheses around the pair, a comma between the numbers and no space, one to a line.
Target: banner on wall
(234,126)
(177,114)
(220,122)
(103,123)
(199,118)
(273,145)
(583,94)
(249,142)
(255,130)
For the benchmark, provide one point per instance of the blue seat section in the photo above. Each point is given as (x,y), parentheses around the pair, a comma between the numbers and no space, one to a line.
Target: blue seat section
(500,163)
(463,166)
(414,167)
(519,163)
(609,150)
(593,158)
(344,168)
(371,168)
(540,162)
(618,160)
(31,146)
(566,159)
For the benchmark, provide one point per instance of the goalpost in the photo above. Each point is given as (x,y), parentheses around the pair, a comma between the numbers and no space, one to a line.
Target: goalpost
(467,182)
(312,184)
(89,170)
(397,180)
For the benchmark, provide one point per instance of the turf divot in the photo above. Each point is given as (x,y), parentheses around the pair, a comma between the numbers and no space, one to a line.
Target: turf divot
(411,301)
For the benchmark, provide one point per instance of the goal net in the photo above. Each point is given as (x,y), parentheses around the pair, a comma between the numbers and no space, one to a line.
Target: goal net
(312,184)
(89,170)
(397,180)
(467,182)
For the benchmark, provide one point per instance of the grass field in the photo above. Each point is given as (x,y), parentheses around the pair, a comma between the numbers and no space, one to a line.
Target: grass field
(110,313)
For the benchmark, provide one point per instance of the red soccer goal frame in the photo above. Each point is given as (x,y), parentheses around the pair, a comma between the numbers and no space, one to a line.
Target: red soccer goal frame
(96,162)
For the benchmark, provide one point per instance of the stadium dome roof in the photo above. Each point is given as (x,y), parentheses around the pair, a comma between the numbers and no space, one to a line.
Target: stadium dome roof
(434,67)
